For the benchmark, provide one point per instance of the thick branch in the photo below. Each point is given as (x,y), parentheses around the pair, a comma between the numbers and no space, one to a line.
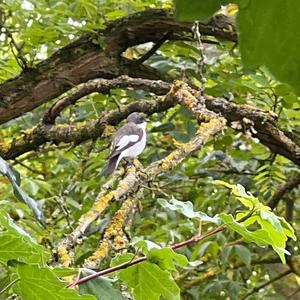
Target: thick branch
(263,122)
(134,180)
(104,86)
(83,60)
(78,133)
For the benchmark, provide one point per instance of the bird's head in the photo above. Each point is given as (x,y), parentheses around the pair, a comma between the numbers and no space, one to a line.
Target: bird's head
(136,118)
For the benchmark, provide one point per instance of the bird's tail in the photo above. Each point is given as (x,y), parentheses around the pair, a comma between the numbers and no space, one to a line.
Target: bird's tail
(110,166)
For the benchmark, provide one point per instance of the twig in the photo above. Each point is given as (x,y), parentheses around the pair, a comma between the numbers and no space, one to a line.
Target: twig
(19,56)
(192,240)
(156,46)
(293,293)
(282,190)
(256,289)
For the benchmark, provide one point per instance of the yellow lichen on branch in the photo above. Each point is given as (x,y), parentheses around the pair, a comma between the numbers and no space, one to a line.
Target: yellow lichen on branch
(88,218)
(113,232)
(211,124)
(65,257)
(205,131)
(193,101)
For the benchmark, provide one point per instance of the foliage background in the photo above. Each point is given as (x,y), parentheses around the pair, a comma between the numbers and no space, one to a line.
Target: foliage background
(65,178)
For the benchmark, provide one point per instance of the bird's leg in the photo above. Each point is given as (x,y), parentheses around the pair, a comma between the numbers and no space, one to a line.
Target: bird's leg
(129,165)
(128,162)
(137,164)
(140,168)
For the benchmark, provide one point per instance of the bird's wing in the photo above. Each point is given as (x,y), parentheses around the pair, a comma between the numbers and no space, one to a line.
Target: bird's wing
(125,140)
(126,137)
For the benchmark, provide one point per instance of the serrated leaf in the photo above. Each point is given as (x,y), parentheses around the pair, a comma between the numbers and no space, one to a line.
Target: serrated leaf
(149,282)
(37,283)
(16,244)
(100,287)
(186,208)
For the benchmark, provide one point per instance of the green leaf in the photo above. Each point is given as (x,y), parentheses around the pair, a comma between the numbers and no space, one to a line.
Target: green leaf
(259,237)
(121,259)
(186,208)
(42,284)
(244,254)
(191,10)
(100,287)
(63,272)
(244,197)
(287,228)
(16,244)
(14,178)
(166,257)
(272,219)
(265,236)
(144,245)
(264,33)
(149,282)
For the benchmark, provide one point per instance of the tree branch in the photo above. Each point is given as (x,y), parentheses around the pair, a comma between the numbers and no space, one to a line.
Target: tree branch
(283,189)
(83,60)
(113,233)
(103,86)
(43,133)
(134,180)
(256,289)
(263,122)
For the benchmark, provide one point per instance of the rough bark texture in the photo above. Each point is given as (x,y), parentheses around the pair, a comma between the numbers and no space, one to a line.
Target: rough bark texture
(83,60)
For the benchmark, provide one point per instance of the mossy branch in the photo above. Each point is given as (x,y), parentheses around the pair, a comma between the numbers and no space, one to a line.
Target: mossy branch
(133,180)
(261,124)
(103,86)
(113,234)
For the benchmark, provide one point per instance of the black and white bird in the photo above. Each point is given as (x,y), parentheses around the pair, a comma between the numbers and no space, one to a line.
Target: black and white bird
(129,141)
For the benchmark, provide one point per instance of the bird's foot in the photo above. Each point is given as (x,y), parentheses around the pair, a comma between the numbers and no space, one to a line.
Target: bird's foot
(137,164)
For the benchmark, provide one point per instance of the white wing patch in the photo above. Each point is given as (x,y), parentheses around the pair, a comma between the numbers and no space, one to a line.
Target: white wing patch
(126,139)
